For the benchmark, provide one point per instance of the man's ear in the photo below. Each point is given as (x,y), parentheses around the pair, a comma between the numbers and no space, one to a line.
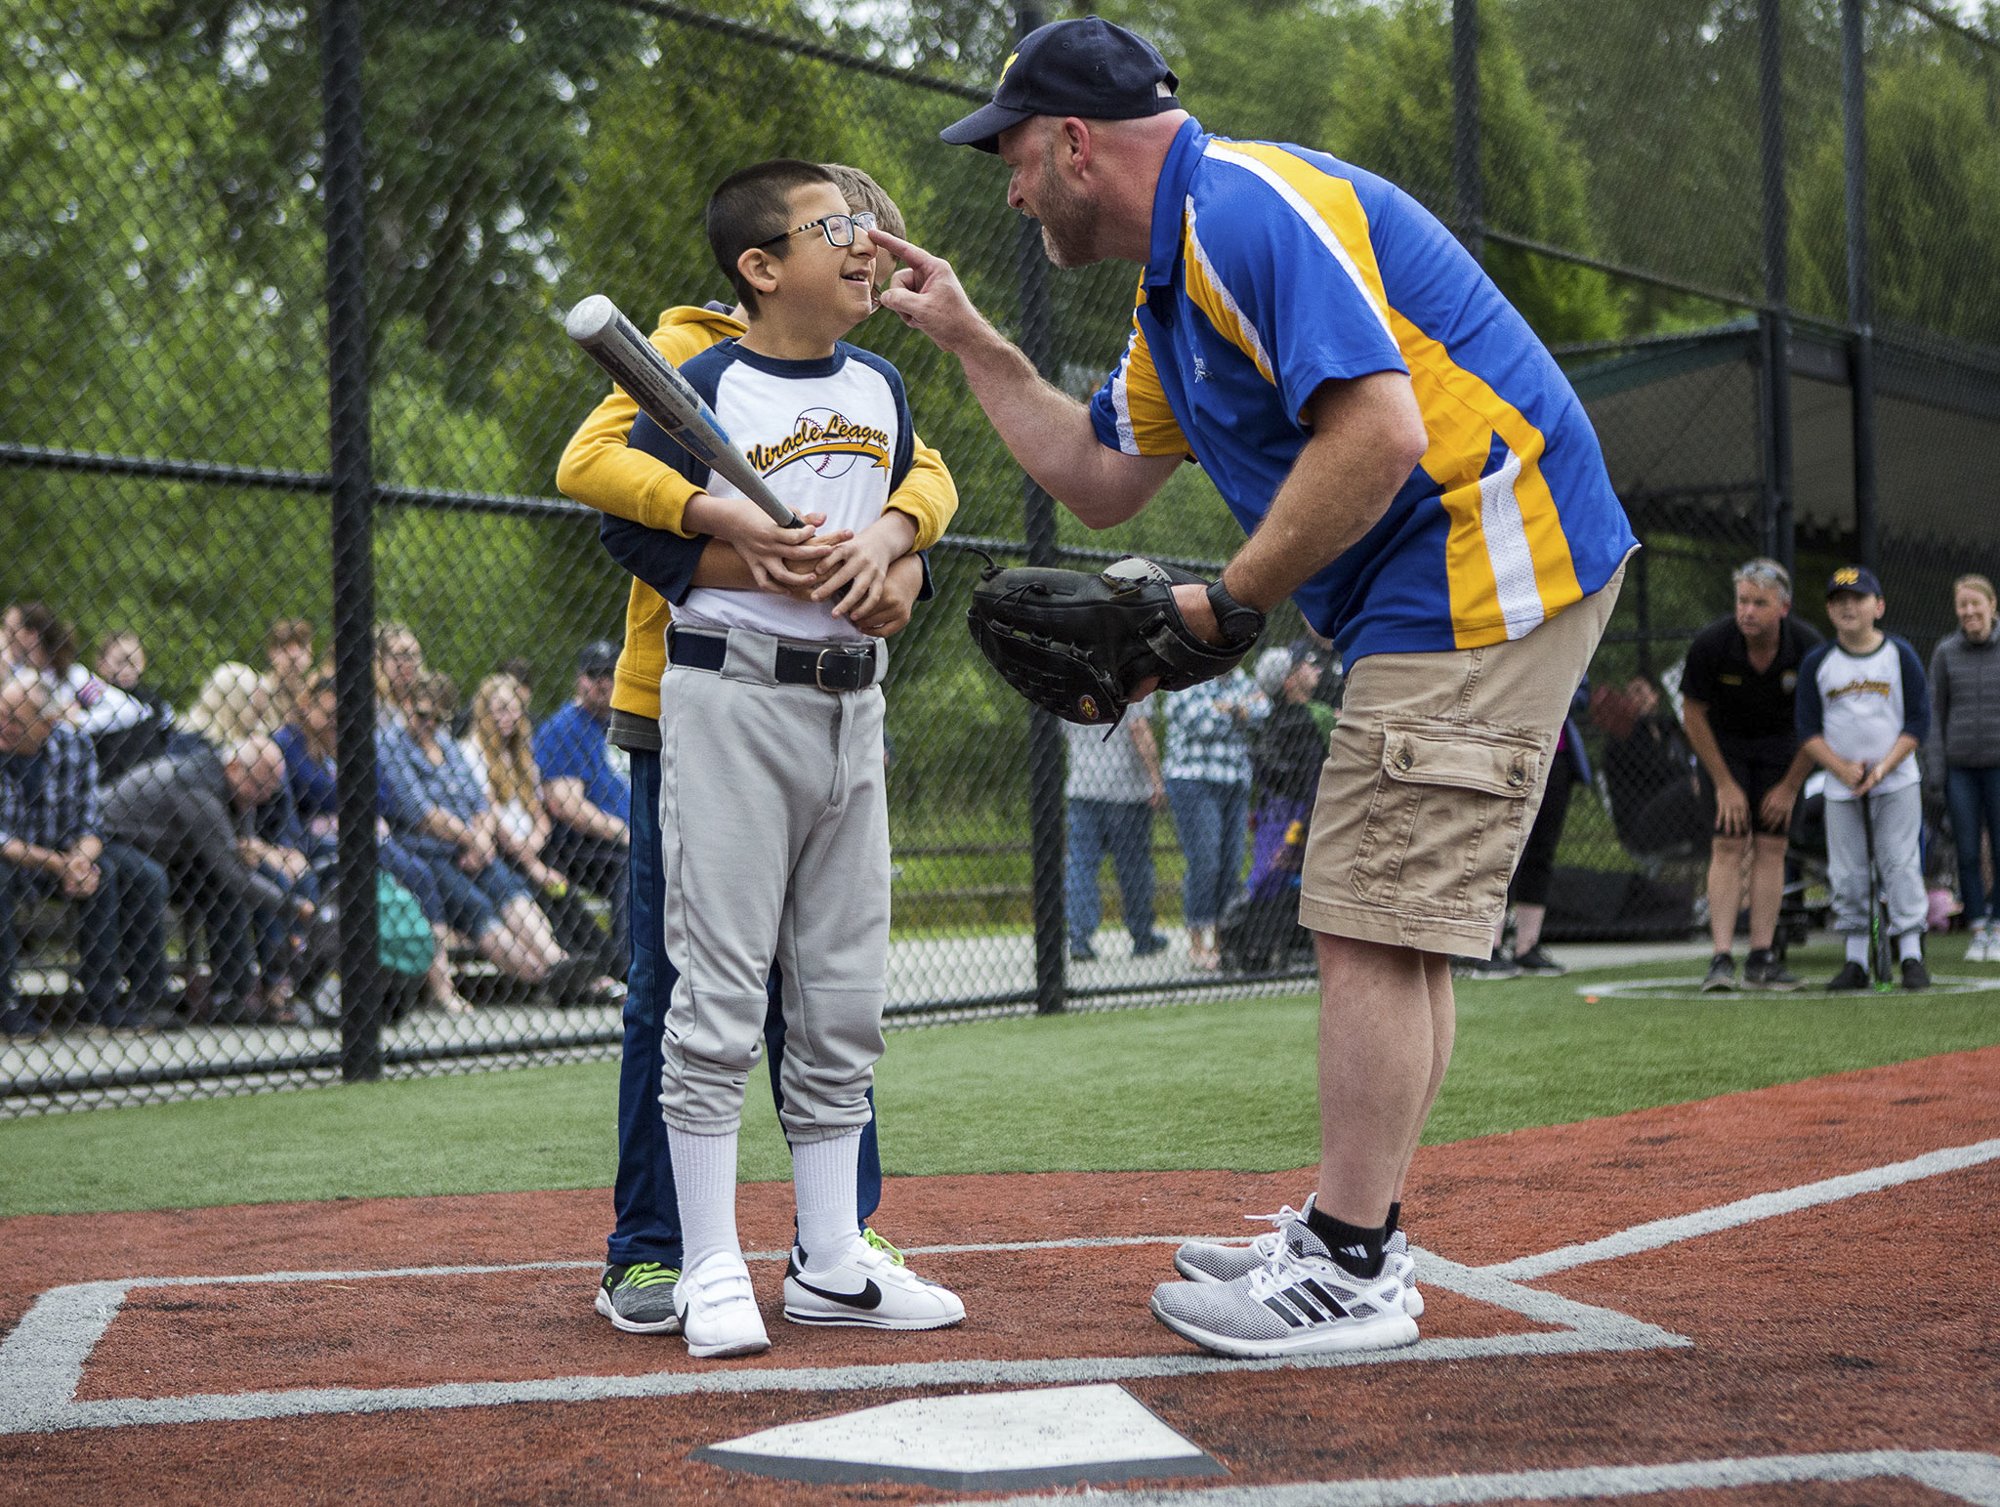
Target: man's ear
(759,269)
(1075,146)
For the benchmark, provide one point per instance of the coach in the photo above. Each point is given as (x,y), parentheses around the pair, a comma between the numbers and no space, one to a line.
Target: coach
(1412,467)
(1738,694)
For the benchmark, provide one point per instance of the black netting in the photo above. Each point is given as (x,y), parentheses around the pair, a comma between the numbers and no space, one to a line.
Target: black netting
(244,502)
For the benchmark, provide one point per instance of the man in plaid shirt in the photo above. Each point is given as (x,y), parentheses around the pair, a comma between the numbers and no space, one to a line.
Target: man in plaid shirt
(51,847)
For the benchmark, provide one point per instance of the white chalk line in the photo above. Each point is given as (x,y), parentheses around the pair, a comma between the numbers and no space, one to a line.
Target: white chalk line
(43,1358)
(1967,1475)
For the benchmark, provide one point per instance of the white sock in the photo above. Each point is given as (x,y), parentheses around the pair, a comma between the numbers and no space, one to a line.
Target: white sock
(705,1189)
(1857,952)
(1909,945)
(823,1178)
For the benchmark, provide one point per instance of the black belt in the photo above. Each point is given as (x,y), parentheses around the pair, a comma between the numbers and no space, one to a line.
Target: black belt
(840,668)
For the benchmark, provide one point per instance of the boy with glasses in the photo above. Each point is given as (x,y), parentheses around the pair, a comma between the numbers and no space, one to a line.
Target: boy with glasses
(649,484)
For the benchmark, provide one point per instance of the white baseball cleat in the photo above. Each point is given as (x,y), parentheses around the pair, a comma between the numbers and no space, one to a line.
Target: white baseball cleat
(718,1309)
(1229,1260)
(869,1289)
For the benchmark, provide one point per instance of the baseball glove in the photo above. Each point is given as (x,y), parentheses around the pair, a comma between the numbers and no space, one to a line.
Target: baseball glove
(1077,643)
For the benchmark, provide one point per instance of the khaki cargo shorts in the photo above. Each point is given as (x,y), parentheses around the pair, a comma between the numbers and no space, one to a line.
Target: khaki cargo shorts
(1433,777)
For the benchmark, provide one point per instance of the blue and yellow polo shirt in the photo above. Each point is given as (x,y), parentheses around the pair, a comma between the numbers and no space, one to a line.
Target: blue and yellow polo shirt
(1273,269)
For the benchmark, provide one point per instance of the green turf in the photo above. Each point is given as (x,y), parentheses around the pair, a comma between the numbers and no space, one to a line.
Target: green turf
(1217,1084)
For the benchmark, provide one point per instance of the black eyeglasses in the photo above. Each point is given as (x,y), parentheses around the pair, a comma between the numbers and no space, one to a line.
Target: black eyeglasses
(838,229)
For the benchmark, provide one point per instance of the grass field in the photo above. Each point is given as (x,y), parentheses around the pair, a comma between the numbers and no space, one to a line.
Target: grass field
(1215,1084)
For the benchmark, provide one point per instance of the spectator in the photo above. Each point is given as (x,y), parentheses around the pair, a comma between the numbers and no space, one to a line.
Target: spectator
(1114,787)
(501,752)
(588,792)
(43,643)
(196,814)
(121,664)
(1285,760)
(13,625)
(1863,710)
(52,847)
(233,704)
(1965,693)
(1207,771)
(308,744)
(288,652)
(1738,695)
(399,660)
(518,669)
(1649,772)
(442,814)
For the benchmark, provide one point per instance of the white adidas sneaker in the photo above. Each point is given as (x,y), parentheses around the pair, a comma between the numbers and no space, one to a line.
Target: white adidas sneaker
(869,1289)
(1299,1302)
(718,1309)
(1228,1260)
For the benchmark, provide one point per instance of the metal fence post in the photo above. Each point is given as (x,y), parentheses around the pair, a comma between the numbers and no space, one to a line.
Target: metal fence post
(1467,176)
(1860,313)
(1045,744)
(1775,321)
(353,539)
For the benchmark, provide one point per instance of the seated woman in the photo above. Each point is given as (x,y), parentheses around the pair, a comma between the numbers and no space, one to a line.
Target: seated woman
(1649,772)
(232,704)
(308,744)
(501,754)
(438,809)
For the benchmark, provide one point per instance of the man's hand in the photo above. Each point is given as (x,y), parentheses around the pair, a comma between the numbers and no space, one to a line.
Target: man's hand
(779,559)
(1732,810)
(1192,603)
(925,294)
(1775,810)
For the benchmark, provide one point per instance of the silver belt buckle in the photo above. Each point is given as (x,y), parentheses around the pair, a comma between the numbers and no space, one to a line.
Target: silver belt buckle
(834,656)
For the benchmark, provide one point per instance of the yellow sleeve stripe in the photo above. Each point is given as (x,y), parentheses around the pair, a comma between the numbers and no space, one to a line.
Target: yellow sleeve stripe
(1146,424)
(1506,556)
(1328,206)
(1206,292)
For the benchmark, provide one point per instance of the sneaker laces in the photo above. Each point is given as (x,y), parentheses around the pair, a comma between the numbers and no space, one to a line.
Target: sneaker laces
(1272,1245)
(882,1245)
(648,1274)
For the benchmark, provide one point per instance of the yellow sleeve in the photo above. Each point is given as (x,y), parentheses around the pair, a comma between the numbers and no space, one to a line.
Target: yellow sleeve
(928,494)
(599,470)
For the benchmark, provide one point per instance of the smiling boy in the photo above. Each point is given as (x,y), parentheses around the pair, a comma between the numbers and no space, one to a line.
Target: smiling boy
(1863,707)
(773,818)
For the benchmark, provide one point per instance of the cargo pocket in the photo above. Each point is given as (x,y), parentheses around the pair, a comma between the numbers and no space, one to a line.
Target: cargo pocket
(1448,817)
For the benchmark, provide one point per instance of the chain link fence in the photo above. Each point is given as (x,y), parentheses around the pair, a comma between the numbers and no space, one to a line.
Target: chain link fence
(288,386)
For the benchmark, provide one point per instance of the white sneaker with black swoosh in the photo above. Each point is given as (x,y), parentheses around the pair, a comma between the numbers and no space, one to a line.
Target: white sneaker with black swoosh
(867,1289)
(718,1309)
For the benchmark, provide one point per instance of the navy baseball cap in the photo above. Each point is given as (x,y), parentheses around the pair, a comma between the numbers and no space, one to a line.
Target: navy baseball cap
(1858,579)
(1088,68)
(599,657)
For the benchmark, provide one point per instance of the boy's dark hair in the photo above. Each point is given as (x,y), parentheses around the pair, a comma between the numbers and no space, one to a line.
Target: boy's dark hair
(751,207)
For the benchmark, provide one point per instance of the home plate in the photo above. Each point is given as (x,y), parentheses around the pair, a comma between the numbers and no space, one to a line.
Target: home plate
(977,1441)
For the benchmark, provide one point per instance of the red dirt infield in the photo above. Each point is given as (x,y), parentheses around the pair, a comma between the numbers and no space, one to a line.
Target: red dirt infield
(1860,1322)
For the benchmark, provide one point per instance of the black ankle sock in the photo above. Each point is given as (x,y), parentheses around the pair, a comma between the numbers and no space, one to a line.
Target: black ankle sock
(1356,1251)
(1395,1219)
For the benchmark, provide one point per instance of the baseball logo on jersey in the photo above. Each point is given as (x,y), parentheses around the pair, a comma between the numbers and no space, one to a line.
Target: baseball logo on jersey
(825,440)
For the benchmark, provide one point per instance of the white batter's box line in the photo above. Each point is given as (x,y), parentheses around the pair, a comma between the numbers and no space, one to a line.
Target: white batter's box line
(1965,1475)
(42,1360)
(1659,1232)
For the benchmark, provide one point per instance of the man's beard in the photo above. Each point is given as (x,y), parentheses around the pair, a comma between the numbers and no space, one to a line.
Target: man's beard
(1068,220)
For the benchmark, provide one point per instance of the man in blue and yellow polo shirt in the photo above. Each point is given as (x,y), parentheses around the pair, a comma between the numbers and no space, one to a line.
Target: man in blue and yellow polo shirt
(1414,470)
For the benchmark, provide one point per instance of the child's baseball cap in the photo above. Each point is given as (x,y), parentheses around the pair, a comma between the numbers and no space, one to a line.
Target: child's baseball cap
(1858,579)
(1088,68)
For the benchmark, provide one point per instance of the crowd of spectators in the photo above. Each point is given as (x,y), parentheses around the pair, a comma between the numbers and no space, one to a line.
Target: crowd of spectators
(506,838)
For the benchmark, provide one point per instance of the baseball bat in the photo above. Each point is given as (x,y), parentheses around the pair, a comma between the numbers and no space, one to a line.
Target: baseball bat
(664,396)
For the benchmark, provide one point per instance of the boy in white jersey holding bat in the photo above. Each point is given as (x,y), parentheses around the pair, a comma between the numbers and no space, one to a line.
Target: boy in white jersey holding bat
(773,817)
(1863,709)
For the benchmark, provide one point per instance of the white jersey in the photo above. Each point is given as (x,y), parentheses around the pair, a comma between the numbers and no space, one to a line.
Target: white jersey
(830,436)
(1862,703)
